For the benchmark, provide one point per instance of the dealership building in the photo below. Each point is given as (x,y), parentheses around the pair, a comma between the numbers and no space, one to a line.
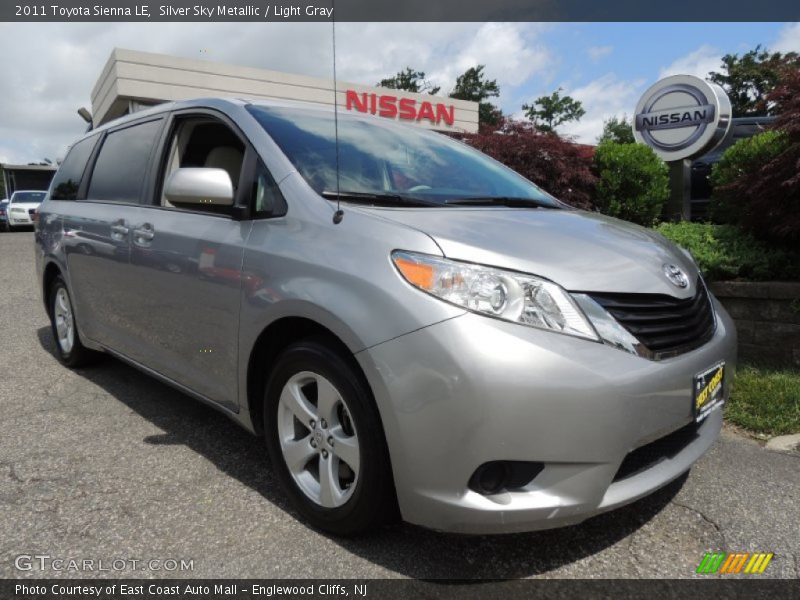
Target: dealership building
(133,80)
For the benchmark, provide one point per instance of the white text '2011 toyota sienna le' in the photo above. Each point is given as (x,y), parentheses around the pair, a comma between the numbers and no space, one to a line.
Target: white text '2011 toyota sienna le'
(453,345)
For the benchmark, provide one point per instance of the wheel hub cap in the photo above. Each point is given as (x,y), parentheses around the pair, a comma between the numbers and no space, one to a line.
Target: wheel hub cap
(318,440)
(65,325)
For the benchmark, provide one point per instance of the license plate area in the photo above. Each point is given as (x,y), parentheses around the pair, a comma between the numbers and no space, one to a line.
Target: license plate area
(708,387)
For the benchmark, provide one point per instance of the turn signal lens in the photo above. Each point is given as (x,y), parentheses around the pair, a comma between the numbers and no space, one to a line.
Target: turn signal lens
(415,273)
(524,299)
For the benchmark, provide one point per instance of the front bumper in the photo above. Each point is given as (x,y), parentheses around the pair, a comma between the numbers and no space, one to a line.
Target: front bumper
(471,390)
(20,220)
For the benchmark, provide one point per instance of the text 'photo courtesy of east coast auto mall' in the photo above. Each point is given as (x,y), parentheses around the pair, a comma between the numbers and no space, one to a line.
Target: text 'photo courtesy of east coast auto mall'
(368,299)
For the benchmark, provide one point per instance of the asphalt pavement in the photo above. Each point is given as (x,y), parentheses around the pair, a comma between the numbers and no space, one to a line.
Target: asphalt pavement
(106,463)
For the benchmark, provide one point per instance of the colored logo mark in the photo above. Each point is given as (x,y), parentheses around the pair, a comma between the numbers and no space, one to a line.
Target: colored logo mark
(734,562)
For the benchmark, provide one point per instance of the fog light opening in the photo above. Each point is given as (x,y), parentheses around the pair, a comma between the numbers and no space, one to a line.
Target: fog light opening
(503,475)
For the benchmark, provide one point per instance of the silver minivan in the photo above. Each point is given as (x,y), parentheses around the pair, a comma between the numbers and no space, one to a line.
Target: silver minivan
(414,329)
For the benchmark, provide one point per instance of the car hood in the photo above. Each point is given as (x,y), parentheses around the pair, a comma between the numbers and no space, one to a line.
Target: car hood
(25,205)
(579,250)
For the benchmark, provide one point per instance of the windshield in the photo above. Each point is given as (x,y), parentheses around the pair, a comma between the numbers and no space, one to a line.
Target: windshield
(31,197)
(380,157)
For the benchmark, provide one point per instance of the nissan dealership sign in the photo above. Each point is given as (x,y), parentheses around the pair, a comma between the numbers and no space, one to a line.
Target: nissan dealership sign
(408,109)
(682,116)
(132,80)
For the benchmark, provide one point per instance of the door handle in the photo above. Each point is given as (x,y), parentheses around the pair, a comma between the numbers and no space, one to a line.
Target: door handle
(119,230)
(144,234)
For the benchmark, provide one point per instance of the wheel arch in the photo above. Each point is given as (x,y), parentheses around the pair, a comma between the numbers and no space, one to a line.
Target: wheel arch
(271,341)
(49,274)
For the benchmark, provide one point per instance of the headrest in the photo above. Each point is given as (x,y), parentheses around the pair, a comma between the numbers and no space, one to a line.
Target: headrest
(228,158)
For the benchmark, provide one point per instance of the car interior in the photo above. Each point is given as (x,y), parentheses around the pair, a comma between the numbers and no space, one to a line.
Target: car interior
(205,143)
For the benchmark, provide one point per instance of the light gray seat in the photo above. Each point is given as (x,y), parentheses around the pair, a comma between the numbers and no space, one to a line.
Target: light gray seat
(228,158)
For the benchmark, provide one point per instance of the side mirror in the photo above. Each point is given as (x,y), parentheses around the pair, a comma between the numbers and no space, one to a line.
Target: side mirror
(200,186)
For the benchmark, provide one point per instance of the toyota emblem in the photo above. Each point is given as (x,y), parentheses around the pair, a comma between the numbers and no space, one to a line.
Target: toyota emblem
(676,275)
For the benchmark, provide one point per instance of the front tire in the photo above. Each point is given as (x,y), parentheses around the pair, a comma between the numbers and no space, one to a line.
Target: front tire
(325,439)
(69,348)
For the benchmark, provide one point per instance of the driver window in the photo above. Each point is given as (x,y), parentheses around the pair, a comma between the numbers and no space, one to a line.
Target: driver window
(204,142)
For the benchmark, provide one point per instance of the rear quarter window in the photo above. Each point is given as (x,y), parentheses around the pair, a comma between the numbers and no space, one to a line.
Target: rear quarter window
(70,174)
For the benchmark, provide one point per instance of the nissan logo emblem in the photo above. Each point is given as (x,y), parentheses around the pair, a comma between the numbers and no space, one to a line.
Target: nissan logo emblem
(682,116)
(676,276)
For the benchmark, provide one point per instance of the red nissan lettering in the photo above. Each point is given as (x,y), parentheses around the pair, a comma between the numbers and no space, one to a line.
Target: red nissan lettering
(388,107)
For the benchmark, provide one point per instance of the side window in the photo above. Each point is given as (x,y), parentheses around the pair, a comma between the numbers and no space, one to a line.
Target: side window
(121,167)
(68,178)
(204,142)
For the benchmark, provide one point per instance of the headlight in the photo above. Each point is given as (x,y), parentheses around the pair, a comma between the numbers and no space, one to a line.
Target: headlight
(524,299)
(18,210)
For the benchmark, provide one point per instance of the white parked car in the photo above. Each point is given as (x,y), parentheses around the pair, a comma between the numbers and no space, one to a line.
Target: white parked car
(21,208)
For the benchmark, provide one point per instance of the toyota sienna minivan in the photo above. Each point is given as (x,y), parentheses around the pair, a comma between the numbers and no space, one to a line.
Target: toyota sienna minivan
(413,328)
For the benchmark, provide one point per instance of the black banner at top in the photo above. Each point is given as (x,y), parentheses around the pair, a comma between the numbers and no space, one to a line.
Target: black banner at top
(399,10)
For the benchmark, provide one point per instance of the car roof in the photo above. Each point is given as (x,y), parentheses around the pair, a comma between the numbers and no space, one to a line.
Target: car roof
(211,102)
(204,102)
(220,103)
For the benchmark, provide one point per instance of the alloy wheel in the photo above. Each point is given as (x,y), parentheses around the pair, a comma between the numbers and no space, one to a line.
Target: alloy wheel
(65,325)
(318,439)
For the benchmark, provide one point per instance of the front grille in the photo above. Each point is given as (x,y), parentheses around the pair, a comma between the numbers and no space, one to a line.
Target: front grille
(665,325)
(649,455)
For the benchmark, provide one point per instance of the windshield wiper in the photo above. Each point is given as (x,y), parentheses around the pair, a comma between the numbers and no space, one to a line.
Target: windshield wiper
(378,199)
(510,201)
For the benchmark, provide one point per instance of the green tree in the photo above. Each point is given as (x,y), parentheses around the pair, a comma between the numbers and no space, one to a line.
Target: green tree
(410,81)
(474,86)
(617,130)
(749,78)
(548,112)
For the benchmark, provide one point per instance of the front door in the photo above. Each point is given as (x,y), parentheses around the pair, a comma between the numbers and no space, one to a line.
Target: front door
(186,267)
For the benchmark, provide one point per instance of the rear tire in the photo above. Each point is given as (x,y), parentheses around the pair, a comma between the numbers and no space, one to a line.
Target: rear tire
(69,349)
(325,439)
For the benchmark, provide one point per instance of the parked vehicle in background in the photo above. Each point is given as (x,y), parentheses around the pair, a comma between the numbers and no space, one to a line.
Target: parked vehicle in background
(408,323)
(21,208)
(3,215)
(700,182)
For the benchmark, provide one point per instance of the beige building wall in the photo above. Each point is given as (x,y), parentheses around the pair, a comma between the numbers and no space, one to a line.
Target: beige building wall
(131,79)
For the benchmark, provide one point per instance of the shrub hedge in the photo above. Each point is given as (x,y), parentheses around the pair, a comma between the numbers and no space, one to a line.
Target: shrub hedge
(742,160)
(633,182)
(726,252)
